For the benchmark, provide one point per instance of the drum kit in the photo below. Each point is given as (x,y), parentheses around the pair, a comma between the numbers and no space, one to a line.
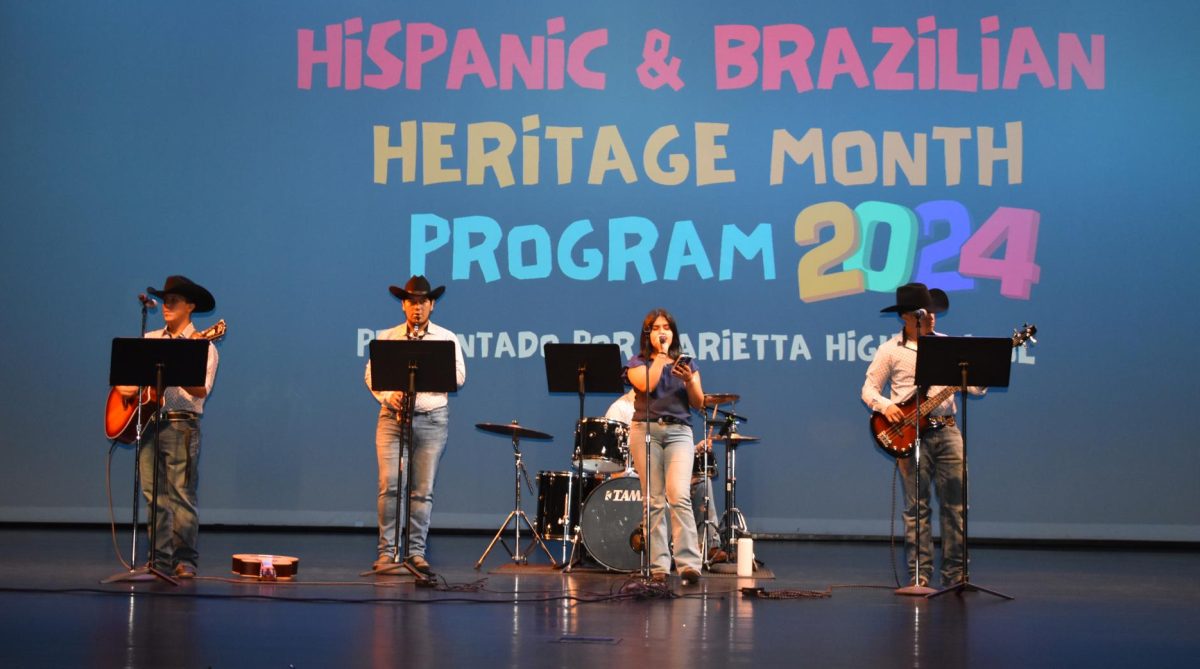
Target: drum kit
(596,507)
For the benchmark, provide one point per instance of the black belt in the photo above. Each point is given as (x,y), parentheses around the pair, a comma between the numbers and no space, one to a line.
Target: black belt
(182,415)
(667,420)
(938,422)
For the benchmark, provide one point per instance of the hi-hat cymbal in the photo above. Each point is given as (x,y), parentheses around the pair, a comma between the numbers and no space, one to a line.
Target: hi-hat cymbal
(713,399)
(736,439)
(513,429)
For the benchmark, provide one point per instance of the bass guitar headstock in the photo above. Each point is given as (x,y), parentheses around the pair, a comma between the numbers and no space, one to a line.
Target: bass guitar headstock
(213,333)
(1024,334)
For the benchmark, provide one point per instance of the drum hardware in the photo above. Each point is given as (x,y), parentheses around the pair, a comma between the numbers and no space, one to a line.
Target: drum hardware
(517,515)
(732,520)
(731,415)
(705,470)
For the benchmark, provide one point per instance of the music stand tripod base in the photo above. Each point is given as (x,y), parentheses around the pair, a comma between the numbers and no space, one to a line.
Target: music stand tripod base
(966,586)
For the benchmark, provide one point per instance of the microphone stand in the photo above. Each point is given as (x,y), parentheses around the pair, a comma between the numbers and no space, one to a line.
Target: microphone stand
(916,589)
(147,572)
(646,575)
(574,505)
(137,440)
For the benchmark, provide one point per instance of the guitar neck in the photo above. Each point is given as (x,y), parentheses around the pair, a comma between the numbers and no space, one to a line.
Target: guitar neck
(931,403)
(935,401)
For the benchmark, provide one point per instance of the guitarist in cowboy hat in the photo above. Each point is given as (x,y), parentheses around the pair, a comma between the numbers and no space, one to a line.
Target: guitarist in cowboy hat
(179,436)
(895,366)
(431,419)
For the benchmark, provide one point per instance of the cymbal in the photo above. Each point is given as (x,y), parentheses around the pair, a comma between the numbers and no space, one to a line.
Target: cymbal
(736,439)
(513,429)
(713,399)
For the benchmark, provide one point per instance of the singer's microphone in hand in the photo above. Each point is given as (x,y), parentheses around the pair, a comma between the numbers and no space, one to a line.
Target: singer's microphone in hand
(662,340)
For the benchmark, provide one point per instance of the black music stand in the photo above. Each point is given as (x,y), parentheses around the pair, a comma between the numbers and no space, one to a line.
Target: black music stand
(417,366)
(582,368)
(158,364)
(963,362)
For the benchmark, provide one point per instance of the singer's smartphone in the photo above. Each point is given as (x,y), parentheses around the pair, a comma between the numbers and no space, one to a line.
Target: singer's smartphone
(683,361)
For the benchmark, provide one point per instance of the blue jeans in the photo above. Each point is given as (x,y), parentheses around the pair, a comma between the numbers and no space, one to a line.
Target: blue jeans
(429,442)
(941,461)
(178,460)
(669,481)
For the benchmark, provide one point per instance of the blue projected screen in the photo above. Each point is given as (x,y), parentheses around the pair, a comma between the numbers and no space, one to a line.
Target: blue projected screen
(767,173)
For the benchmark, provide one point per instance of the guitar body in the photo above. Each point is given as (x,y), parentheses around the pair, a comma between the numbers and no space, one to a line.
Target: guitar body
(265,567)
(897,439)
(120,412)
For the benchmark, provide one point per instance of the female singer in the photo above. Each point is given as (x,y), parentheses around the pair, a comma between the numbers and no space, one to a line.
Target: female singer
(665,385)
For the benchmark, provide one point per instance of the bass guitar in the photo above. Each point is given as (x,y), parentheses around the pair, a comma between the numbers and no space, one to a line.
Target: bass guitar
(897,439)
(120,411)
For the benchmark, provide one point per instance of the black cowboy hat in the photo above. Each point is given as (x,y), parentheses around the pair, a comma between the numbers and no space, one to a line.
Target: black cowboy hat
(417,286)
(913,296)
(188,290)
(941,301)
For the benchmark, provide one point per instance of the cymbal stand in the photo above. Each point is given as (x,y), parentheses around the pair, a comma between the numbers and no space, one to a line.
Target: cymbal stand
(518,514)
(709,521)
(706,481)
(733,520)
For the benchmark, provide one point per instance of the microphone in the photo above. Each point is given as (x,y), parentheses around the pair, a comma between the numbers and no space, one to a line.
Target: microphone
(147,302)
(662,340)
(921,313)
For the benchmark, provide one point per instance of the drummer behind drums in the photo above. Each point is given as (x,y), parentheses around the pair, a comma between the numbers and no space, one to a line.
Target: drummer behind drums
(665,389)
(622,410)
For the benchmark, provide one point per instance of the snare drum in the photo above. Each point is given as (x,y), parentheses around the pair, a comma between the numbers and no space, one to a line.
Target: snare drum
(557,510)
(600,445)
(611,516)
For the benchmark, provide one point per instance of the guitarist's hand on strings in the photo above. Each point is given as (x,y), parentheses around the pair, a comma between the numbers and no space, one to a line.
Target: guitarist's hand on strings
(893,413)
(396,400)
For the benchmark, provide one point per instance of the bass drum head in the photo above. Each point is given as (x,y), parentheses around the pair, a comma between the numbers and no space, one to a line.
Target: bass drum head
(611,515)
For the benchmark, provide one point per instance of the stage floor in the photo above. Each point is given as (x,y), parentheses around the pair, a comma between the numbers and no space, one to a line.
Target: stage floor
(1072,608)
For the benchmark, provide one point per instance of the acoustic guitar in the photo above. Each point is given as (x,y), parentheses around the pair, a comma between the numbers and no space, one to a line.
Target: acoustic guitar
(266,567)
(897,439)
(120,411)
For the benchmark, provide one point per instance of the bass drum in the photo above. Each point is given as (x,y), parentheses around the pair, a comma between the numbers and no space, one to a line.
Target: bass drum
(611,516)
